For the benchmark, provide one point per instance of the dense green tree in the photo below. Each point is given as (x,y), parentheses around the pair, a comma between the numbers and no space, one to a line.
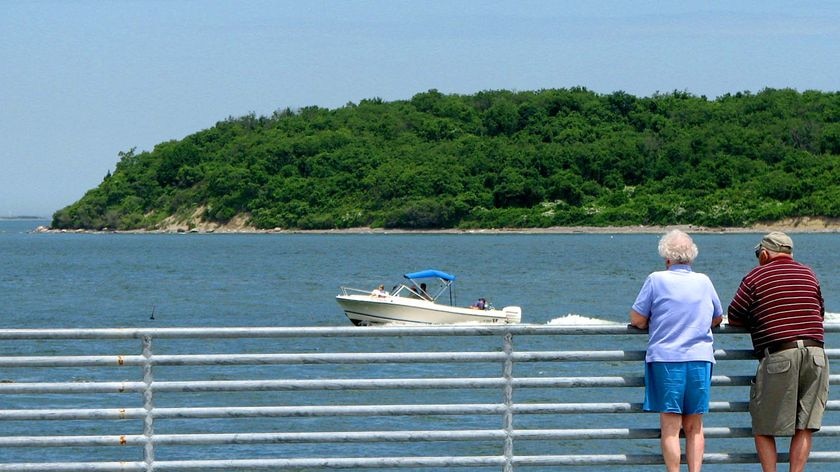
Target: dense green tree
(493,159)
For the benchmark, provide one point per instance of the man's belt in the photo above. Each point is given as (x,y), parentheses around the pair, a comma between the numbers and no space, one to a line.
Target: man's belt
(783,346)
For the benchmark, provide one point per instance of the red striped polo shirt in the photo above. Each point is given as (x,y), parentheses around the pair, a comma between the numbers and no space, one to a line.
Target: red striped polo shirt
(779,301)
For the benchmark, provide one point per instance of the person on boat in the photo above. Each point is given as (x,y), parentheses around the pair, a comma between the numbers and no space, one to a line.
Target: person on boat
(679,307)
(379,292)
(480,304)
(423,293)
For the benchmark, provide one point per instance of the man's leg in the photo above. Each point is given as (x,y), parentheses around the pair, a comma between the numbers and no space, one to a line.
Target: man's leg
(800,449)
(765,446)
(695,442)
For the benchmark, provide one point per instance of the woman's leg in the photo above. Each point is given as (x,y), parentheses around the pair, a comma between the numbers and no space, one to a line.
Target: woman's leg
(670,424)
(695,442)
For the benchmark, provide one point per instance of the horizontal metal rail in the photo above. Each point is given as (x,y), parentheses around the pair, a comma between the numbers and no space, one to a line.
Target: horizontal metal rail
(351,410)
(347,358)
(403,462)
(348,384)
(436,377)
(370,436)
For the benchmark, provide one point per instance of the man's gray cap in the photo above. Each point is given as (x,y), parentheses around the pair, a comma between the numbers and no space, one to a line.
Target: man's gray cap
(776,242)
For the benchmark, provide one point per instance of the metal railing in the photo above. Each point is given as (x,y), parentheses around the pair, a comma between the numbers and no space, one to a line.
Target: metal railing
(354,397)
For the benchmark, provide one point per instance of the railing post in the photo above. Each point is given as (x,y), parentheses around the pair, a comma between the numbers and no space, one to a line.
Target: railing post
(507,373)
(148,405)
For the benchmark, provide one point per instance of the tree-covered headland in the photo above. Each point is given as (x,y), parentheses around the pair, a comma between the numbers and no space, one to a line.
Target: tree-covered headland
(493,159)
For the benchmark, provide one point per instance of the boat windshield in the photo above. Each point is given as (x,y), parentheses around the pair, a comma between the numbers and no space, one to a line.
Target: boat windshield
(421,289)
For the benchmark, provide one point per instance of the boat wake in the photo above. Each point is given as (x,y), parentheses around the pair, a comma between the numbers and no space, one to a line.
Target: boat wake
(574,319)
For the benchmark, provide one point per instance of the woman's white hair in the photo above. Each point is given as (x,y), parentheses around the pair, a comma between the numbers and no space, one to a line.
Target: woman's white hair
(678,247)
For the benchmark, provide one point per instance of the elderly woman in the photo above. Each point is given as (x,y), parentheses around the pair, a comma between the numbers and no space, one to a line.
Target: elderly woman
(680,307)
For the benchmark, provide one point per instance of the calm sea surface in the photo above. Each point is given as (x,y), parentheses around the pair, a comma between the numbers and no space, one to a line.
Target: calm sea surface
(118,280)
(121,280)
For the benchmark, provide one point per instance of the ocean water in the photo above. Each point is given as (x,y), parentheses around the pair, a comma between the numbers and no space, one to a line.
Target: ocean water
(69,280)
(119,280)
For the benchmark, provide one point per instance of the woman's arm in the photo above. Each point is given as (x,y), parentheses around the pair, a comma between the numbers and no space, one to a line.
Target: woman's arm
(638,320)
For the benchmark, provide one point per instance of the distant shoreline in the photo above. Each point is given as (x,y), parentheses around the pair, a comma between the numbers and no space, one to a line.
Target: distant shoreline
(798,225)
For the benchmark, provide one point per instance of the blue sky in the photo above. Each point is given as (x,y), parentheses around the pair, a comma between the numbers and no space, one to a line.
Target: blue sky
(83,80)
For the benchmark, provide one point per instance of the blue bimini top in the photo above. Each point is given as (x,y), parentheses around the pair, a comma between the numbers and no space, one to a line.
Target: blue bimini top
(429,273)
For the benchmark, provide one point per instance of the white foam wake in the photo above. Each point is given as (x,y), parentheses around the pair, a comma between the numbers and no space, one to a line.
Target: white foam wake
(574,319)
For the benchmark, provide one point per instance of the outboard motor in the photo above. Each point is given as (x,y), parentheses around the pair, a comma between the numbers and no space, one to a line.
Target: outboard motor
(513,314)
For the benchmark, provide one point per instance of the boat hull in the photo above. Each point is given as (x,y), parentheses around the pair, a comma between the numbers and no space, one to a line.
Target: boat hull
(371,310)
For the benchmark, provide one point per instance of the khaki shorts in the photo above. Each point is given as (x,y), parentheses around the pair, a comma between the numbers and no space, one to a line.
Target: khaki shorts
(778,405)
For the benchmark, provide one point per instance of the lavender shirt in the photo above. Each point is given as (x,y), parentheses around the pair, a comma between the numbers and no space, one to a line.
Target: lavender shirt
(680,305)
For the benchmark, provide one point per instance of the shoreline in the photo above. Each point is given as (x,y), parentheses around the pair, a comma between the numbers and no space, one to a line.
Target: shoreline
(797,225)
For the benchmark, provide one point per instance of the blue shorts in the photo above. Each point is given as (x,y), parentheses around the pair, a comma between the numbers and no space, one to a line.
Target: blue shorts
(678,387)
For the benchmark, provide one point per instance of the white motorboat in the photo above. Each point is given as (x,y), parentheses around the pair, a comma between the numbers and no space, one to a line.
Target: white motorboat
(412,303)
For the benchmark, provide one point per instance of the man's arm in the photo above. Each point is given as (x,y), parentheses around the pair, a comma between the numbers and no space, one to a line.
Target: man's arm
(738,311)
(734,321)
(638,320)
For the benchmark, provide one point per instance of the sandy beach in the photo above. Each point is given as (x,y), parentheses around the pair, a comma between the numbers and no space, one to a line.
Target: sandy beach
(239,225)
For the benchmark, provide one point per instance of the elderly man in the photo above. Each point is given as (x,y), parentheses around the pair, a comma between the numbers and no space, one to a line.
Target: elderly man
(780,303)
